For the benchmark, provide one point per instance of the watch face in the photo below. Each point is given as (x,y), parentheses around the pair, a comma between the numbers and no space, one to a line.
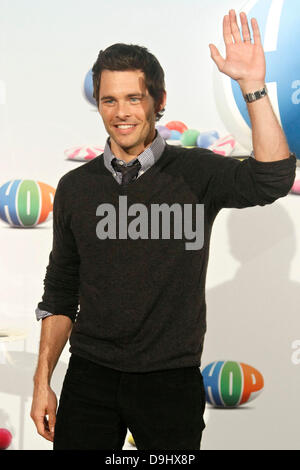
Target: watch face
(250,97)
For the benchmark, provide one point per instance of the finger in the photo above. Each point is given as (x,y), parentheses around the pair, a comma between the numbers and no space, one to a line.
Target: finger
(216,56)
(256,32)
(245,27)
(235,30)
(51,420)
(42,427)
(227,31)
(39,422)
(47,434)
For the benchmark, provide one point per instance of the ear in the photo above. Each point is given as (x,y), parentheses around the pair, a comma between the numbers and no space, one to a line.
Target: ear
(163,101)
(160,106)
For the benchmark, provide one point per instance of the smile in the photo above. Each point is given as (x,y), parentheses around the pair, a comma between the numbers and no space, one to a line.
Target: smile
(125,126)
(125,129)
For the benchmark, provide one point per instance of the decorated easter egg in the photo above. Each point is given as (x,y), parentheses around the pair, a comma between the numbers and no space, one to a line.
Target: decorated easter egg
(26,203)
(223,146)
(83,153)
(189,138)
(296,187)
(177,126)
(205,139)
(231,383)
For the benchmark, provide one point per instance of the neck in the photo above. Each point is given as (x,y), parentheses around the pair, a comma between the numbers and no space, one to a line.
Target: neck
(128,154)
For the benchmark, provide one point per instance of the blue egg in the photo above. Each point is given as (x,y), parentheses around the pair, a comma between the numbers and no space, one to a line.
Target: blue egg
(175,135)
(88,88)
(205,139)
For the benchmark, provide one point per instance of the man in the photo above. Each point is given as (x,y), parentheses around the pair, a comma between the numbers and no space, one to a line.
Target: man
(137,340)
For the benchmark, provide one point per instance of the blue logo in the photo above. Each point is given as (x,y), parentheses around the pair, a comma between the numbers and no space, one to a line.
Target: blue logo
(279,24)
(88,88)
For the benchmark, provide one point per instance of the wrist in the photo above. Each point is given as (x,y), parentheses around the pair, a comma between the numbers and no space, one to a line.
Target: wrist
(256,95)
(42,377)
(41,385)
(251,86)
(41,382)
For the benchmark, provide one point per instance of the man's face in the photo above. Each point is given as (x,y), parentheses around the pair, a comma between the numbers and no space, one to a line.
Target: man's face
(128,111)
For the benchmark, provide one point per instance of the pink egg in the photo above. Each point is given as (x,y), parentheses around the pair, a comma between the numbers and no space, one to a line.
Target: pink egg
(223,146)
(5,438)
(296,187)
(83,153)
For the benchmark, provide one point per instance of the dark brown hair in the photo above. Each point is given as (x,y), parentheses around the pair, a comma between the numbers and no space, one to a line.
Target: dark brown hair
(131,57)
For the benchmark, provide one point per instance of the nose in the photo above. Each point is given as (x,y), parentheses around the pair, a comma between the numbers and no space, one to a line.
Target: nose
(123,110)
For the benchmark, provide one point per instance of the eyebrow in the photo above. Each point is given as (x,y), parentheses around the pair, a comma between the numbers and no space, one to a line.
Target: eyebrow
(131,95)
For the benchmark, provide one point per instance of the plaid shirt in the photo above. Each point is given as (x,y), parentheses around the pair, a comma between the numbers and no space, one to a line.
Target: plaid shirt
(147,158)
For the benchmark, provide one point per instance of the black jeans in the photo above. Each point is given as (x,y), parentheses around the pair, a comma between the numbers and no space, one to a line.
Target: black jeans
(162,409)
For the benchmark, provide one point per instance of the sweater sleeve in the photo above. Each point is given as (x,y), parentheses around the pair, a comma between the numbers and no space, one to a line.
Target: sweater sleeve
(238,183)
(61,283)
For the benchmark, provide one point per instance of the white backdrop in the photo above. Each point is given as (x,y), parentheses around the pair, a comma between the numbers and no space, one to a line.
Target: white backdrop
(253,290)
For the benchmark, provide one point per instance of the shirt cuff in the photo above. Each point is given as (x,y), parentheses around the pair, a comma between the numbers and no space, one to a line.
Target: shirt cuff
(40,314)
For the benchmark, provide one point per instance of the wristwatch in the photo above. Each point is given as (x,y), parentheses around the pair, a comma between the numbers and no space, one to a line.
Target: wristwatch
(256,95)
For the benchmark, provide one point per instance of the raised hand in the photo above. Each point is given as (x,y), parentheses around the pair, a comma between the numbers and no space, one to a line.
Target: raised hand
(245,60)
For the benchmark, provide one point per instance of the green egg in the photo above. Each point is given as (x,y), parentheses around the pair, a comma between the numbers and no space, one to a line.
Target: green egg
(189,138)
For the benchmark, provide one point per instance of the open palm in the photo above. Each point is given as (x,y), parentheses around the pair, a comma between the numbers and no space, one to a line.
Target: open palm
(245,61)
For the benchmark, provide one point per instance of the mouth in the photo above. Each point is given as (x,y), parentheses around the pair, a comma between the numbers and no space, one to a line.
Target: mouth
(125,129)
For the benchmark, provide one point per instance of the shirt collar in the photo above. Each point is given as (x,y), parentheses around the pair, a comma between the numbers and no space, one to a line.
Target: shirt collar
(147,158)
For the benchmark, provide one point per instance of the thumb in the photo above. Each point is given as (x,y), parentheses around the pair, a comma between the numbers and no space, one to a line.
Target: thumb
(51,421)
(216,56)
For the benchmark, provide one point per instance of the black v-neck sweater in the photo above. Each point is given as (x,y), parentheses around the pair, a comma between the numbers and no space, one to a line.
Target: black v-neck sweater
(142,300)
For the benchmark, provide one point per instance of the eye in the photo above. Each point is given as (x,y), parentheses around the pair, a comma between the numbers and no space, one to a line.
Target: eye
(109,101)
(135,99)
